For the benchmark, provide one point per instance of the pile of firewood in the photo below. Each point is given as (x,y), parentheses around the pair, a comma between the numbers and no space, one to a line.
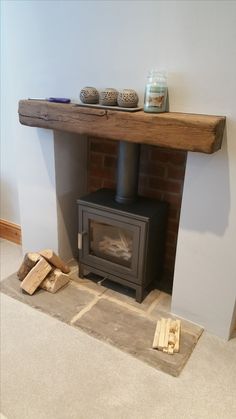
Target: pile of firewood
(167,336)
(43,270)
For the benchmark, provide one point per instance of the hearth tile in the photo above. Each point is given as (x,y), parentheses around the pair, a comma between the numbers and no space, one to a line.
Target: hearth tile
(163,303)
(64,304)
(133,333)
(88,282)
(127,295)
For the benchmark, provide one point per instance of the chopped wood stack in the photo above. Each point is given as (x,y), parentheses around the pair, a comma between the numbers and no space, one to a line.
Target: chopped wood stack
(167,336)
(43,270)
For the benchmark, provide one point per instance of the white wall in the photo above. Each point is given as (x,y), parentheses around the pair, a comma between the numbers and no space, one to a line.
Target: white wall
(57,47)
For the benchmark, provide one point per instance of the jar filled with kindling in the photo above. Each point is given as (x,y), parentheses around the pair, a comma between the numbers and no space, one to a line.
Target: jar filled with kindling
(155,92)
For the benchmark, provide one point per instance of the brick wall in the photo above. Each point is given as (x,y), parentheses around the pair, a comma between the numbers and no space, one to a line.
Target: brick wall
(161,176)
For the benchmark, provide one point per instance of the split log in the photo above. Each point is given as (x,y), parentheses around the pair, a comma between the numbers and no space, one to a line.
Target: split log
(30,260)
(55,260)
(162,334)
(177,335)
(54,281)
(167,331)
(36,276)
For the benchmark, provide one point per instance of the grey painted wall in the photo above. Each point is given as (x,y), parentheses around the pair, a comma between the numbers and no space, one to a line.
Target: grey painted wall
(71,183)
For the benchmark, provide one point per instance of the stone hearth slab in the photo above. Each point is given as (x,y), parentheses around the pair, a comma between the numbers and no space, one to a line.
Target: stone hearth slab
(133,333)
(163,303)
(63,305)
(92,286)
(111,318)
(127,295)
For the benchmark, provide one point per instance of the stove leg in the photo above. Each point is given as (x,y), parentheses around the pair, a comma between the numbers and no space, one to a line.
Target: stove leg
(139,294)
(81,271)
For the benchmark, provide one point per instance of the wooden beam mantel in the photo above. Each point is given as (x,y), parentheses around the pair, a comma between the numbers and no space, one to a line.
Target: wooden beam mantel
(181,131)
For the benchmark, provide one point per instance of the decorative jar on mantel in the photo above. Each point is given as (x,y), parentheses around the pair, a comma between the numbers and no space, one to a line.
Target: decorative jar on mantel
(155,92)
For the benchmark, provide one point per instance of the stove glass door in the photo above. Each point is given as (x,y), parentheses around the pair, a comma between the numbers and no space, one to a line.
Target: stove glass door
(111,242)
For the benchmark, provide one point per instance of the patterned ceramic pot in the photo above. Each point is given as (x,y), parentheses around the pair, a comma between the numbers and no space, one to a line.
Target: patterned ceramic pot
(108,97)
(127,98)
(89,95)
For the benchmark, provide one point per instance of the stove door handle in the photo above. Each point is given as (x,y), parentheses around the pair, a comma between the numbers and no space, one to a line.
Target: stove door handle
(80,239)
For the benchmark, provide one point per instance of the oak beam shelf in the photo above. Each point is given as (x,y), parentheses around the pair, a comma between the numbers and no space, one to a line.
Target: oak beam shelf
(181,131)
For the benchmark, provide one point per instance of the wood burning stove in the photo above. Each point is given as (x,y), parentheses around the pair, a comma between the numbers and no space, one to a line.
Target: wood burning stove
(122,242)
(121,236)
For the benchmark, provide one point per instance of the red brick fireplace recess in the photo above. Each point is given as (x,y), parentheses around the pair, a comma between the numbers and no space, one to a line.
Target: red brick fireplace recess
(138,236)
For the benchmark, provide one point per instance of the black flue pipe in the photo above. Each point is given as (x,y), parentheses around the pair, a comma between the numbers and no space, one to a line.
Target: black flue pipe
(127,172)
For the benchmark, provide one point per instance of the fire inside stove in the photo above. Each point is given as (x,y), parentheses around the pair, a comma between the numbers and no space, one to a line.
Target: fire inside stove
(111,243)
